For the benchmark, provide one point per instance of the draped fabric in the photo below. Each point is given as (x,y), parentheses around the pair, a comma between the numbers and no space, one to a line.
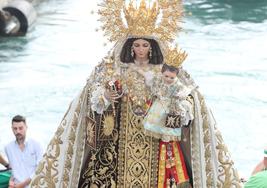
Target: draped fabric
(111,149)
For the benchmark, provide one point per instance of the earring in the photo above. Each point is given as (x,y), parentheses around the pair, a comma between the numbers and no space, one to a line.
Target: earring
(132,52)
(150,53)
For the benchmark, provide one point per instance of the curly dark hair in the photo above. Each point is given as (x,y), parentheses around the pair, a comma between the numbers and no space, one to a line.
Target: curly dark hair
(166,67)
(125,56)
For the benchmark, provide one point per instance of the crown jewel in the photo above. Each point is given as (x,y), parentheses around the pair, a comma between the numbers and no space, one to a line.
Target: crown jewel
(175,57)
(136,17)
(160,20)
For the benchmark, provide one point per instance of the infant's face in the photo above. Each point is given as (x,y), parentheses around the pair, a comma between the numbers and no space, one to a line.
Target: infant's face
(169,77)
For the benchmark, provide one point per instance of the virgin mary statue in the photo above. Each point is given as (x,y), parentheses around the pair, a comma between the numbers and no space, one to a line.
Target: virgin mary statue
(101,141)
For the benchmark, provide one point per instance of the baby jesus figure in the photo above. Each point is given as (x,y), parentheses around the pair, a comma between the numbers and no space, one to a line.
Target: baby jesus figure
(171,110)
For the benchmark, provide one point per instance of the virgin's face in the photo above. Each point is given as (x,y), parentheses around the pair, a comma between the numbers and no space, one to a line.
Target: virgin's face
(141,48)
(169,77)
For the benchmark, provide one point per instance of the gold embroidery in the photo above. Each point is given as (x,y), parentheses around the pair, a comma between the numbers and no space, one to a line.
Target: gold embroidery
(102,160)
(138,162)
(108,125)
(207,139)
(47,170)
(227,175)
(138,93)
(178,163)
(162,164)
(90,132)
(71,138)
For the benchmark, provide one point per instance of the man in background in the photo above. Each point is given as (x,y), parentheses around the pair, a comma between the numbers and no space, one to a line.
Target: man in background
(23,154)
(258,178)
(262,164)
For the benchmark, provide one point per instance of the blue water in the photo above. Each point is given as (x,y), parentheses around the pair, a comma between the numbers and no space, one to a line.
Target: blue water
(226,41)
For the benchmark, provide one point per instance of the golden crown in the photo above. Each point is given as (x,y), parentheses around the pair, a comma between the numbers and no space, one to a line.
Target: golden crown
(175,57)
(160,20)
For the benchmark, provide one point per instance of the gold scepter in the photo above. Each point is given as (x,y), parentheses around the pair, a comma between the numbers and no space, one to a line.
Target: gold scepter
(110,85)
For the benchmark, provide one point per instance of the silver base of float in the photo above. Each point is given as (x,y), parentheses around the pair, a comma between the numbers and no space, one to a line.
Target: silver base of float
(16,17)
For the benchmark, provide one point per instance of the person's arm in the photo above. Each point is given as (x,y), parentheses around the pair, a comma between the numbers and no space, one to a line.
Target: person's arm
(4,162)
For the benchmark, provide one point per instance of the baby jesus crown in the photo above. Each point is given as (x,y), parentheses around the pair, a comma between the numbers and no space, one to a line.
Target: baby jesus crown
(175,57)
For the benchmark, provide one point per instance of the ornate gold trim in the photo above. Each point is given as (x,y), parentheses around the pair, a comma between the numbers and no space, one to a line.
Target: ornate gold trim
(70,150)
(47,171)
(138,153)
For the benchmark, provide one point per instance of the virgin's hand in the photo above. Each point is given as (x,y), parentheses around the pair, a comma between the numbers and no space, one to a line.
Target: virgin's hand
(112,96)
(140,71)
